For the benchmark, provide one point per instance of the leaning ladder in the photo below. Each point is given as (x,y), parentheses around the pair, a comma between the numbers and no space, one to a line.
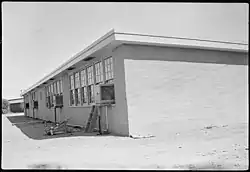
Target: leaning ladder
(92,118)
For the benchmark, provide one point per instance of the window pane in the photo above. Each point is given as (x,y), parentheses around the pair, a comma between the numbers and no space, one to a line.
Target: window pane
(51,100)
(52,90)
(77,96)
(101,77)
(84,95)
(72,97)
(90,75)
(109,68)
(83,78)
(58,87)
(72,85)
(55,88)
(99,72)
(111,61)
(77,80)
(61,86)
(92,93)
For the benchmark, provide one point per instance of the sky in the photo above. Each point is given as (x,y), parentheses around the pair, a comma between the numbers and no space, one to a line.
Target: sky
(39,37)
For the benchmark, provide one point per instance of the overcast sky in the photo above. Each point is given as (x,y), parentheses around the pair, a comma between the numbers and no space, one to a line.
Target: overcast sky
(38,37)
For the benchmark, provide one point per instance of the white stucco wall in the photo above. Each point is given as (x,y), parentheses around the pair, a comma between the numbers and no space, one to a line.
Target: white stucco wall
(162,89)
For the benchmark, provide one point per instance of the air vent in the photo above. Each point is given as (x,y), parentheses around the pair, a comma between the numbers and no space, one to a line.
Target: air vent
(71,68)
(51,79)
(88,58)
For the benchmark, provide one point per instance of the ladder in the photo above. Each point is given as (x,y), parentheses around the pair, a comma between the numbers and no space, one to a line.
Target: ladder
(92,118)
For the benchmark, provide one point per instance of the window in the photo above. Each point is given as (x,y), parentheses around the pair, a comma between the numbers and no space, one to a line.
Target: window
(58,87)
(34,99)
(55,88)
(77,89)
(61,86)
(51,89)
(48,96)
(98,72)
(108,63)
(84,98)
(49,92)
(72,90)
(90,90)
(51,95)
(82,82)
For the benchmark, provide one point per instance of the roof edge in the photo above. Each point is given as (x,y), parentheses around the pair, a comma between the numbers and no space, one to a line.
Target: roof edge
(88,48)
(181,42)
(143,39)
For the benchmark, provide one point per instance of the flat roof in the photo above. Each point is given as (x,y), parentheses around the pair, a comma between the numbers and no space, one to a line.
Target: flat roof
(16,100)
(142,39)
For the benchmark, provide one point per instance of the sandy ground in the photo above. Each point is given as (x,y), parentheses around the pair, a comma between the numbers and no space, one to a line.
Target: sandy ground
(221,147)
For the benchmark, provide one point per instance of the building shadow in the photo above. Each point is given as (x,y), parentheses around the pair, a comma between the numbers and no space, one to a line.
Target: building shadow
(34,128)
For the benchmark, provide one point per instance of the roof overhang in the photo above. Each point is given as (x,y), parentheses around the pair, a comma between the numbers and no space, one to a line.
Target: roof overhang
(118,38)
(17,100)
(180,42)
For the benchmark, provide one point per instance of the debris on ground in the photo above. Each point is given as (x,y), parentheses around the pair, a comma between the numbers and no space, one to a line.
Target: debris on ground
(210,127)
(67,129)
(57,128)
(140,137)
(45,166)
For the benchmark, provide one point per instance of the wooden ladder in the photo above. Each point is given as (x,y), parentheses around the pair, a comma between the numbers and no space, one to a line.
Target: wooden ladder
(92,118)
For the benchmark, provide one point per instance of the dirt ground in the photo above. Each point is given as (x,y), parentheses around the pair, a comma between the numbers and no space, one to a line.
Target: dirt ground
(215,147)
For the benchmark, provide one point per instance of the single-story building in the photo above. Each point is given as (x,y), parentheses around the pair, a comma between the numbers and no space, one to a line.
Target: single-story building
(16,105)
(147,77)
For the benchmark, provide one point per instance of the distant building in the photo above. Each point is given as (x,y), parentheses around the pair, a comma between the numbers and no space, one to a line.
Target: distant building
(16,105)
(198,77)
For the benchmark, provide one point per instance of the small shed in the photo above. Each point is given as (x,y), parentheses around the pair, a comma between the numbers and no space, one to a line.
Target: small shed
(16,105)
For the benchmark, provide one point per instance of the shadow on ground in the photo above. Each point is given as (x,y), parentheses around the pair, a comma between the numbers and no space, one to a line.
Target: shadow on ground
(34,128)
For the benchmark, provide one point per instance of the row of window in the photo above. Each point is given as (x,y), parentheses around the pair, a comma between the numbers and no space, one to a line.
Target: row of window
(82,82)
(54,88)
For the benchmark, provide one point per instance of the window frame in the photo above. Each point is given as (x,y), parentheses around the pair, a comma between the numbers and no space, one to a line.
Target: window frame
(77,89)
(109,72)
(101,73)
(89,85)
(83,87)
(71,90)
(52,89)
